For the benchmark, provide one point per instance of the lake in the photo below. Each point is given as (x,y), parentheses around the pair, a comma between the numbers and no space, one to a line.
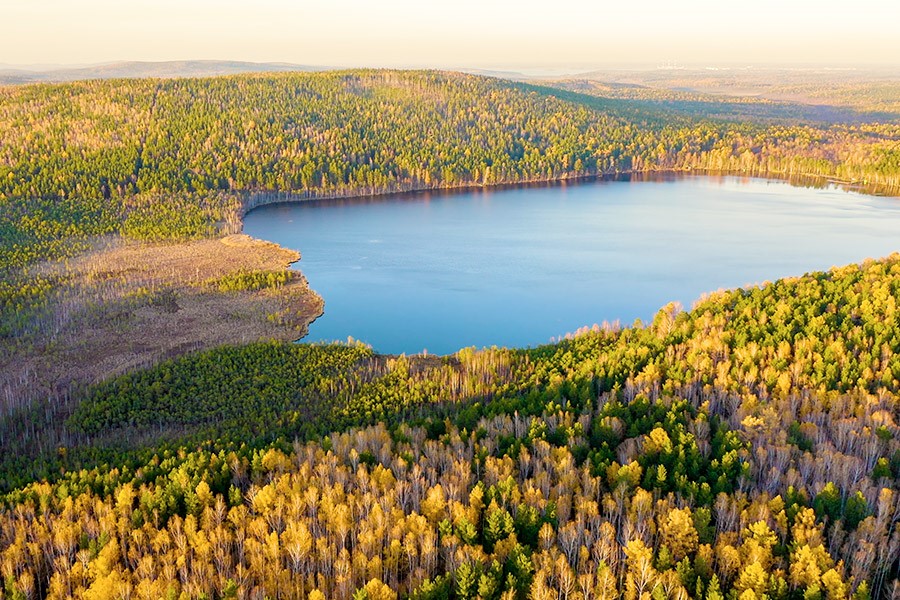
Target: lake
(439,271)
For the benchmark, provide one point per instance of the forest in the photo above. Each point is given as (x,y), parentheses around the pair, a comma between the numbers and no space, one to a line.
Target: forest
(747,448)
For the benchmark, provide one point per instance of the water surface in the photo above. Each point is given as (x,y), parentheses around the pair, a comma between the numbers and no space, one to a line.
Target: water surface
(517,267)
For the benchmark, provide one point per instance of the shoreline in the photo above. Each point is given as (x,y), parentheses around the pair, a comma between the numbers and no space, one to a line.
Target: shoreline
(815,185)
(308,305)
(240,317)
(132,305)
(258,198)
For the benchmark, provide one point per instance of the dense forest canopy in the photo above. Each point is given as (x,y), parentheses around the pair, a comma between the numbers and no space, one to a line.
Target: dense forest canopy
(748,448)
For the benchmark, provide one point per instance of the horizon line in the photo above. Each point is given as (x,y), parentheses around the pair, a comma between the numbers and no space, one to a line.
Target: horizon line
(663,64)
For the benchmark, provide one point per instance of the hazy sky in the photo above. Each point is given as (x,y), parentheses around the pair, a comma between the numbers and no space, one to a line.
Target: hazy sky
(457,33)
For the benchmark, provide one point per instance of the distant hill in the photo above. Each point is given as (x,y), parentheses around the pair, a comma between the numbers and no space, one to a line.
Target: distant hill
(510,75)
(866,89)
(140,69)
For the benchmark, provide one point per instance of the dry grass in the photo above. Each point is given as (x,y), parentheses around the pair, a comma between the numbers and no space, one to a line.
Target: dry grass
(132,305)
(188,262)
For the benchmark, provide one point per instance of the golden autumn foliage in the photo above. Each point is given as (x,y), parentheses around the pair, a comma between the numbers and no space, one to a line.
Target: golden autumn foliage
(560,471)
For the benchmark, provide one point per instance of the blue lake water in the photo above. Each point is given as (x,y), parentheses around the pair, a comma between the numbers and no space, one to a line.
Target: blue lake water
(516,267)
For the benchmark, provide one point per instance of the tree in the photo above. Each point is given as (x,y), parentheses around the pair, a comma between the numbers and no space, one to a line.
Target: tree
(640,576)
(678,533)
(375,589)
(467,577)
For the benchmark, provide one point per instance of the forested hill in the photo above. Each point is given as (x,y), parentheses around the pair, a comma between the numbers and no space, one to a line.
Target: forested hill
(747,449)
(175,158)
